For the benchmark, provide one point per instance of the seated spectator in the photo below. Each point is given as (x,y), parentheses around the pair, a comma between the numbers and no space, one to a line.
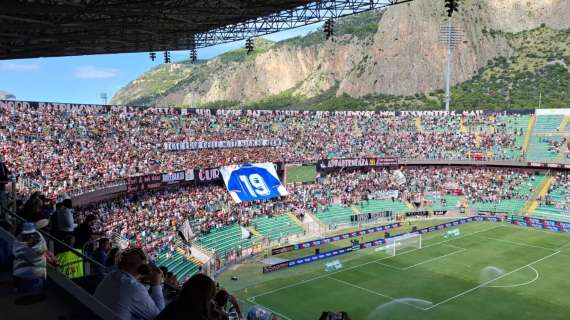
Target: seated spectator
(194,301)
(29,269)
(113,257)
(123,290)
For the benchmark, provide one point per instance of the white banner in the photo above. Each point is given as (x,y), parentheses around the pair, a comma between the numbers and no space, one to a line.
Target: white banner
(197,145)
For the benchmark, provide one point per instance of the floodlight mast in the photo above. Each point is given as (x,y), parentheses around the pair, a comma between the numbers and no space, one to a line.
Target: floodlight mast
(450,36)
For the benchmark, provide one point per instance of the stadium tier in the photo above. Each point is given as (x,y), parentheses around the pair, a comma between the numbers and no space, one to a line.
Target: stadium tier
(111,143)
(222,240)
(179,265)
(274,228)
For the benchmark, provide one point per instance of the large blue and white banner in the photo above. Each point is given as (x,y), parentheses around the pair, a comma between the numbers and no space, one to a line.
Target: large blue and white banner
(249,182)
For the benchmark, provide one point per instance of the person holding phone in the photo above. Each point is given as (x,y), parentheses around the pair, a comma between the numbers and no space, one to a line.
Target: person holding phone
(124,290)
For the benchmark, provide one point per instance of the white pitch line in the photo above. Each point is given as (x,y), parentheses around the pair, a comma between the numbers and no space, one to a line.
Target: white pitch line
(537,275)
(484,284)
(518,243)
(434,259)
(273,311)
(389,266)
(367,263)
(562,247)
(375,293)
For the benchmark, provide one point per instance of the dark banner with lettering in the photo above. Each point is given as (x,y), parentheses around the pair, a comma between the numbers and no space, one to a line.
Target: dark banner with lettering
(348,163)
(144,183)
(210,175)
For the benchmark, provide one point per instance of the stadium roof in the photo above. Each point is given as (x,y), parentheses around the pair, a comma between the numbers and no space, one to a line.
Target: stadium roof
(46,28)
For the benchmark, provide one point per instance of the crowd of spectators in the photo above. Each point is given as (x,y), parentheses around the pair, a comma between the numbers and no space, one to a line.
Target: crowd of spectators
(59,151)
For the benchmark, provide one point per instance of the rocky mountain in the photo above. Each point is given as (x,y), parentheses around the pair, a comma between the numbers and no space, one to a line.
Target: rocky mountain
(5,95)
(384,60)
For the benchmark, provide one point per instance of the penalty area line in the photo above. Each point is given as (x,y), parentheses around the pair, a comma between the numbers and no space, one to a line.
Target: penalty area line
(484,284)
(368,263)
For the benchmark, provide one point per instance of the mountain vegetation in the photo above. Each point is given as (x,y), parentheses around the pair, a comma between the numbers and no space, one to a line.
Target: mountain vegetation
(385,60)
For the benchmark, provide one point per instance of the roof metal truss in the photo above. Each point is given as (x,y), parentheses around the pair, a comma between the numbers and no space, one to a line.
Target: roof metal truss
(307,14)
(42,28)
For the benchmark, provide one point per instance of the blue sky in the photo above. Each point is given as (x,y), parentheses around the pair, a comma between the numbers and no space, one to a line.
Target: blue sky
(82,79)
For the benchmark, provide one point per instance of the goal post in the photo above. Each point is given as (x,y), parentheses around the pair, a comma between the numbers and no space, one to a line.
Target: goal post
(399,243)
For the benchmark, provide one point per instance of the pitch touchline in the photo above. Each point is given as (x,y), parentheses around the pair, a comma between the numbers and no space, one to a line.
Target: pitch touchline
(518,244)
(490,281)
(366,263)
(374,292)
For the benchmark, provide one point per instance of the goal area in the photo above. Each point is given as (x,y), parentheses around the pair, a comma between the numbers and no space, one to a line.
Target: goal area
(399,243)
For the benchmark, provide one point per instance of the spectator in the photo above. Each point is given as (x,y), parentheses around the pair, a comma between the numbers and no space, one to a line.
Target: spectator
(4,180)
(84,232)
(29,270)
(259,313)
(223,298)
(32,209)
(101,254)
(194,301)
(66,224)
(113,257)
(69,262)
(123,290)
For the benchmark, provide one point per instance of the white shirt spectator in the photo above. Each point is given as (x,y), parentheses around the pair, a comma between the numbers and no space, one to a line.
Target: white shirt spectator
(129,298)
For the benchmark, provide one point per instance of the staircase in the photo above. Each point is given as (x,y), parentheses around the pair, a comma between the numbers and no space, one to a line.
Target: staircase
(540,192)
(296,220)
(419,124)
(564,123)
(531,123)
(462,127)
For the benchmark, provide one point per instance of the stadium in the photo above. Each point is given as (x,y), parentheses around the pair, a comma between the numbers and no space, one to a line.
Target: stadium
(165,211)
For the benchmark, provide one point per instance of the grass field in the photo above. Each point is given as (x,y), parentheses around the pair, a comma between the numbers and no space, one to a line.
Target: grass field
(302,174)
(492,271)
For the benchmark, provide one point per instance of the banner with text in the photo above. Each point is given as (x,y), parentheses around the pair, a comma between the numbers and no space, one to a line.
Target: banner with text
(227,144)
(332,164)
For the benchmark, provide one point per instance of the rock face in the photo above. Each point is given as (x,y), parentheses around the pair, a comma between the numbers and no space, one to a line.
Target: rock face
(401,56)
(5,95)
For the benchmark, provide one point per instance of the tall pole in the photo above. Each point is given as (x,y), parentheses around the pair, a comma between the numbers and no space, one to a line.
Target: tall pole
(449,66)
(450,36)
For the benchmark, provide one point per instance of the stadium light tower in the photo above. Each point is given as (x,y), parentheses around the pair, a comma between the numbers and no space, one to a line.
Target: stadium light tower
(450,36)
(103,96)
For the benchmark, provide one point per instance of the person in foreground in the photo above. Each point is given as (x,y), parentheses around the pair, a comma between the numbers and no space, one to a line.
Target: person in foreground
(194,302)
(123,290)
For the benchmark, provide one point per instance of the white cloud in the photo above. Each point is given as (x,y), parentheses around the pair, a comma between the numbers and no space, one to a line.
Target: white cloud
(18,67)
(92,72)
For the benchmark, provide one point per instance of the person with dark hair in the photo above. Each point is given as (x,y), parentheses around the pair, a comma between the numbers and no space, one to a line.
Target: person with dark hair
(84,232)
(123,290)
(194,301)
(32,209)
(222,299)
(101,254)
(113,257)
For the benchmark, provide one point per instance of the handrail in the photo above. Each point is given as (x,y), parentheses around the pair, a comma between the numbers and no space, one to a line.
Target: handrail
(52,238)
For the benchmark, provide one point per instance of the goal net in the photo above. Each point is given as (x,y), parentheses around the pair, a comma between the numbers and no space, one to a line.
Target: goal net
(399,243)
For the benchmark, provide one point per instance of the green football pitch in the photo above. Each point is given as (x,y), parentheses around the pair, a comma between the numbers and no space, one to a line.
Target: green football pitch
(491,271)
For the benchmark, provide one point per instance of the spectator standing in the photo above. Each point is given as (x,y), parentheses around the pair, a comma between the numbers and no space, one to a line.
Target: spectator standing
(65,221)
(4,180)
(69,262)
(124,293)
